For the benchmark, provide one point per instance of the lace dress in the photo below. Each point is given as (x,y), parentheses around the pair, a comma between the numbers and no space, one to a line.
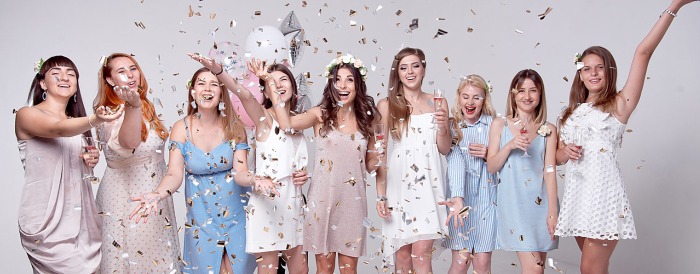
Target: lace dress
(595,203)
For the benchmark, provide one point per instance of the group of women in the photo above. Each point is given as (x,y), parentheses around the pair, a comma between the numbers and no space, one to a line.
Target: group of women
(471,183)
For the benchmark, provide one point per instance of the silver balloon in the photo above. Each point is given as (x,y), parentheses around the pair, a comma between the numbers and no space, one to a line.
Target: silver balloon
(303,101)
(294,36)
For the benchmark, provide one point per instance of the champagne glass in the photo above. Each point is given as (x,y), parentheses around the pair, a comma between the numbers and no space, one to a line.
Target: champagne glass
(379,139)
(87,145)
(578,142)
(523,132)
(472,158)
(438,96)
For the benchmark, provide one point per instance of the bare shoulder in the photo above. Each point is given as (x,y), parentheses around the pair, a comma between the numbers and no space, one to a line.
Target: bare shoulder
(179,132)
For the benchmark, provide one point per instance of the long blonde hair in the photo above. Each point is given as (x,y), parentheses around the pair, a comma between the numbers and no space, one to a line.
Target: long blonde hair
(457,115)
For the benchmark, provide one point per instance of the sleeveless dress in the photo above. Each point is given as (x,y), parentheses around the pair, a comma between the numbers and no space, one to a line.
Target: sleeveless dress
(127,246)
(415,184)
(215,208)
(522,199)
(595,203)
(337,201)
(468,177)
(276,224)
(58,222)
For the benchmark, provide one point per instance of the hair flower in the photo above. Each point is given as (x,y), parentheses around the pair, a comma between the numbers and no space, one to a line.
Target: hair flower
(544,131)
(38,65)
(346,59)
(489,87)
(577,61)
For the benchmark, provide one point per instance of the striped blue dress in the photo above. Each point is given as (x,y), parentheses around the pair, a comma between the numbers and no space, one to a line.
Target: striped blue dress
(468,178)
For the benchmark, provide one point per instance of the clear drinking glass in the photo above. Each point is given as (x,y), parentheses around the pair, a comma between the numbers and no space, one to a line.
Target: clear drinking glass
(88,144)
(523,132)
(379,140)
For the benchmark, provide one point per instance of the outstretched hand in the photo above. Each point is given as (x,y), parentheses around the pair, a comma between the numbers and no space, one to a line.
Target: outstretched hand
(148,204)
(457,211)
(207,62)
(258,68)
(107,115)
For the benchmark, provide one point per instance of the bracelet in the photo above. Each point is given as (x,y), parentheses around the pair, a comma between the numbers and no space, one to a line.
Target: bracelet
(669,12)
(132,106)
(220,72)
(381,198)
(89,122)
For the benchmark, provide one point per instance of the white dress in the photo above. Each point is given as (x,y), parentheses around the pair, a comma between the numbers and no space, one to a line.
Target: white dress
(415,184)
(595,204)
(276,224)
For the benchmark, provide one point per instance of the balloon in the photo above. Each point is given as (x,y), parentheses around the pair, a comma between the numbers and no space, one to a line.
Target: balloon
(303,101)
(266,43)
(253,85)
(230,56)
(294,37)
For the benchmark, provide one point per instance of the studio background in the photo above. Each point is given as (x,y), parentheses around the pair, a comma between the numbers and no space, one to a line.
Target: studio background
(659,151)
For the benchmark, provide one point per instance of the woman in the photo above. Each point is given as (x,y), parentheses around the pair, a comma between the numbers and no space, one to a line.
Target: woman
(472,229)
(133,147)
(599,112)
(275,222)
(411,185)
(206,144)
(337,202)
(522,149)
(58,221)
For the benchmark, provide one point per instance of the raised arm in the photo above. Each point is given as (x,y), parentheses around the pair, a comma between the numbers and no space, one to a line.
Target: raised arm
(632,90)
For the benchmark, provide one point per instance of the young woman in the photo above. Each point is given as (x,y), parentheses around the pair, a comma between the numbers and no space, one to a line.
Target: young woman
(522,149)
(473,229)
(591,133)
(337,202)
(411,184)
(211,148)
(58,222)
(133,147)
(275,222)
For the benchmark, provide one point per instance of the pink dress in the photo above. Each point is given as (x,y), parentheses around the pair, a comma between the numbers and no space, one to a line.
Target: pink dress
(128,247)
(58,222)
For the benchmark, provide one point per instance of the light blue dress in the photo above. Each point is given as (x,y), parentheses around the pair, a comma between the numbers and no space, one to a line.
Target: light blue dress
(522,199)
(469,178)
(216,218)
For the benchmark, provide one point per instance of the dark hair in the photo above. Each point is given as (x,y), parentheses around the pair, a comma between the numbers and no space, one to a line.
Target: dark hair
(267,103)
(517,82)
(75,107)
(232,127)
(363,105)
(579,92)
(398,105)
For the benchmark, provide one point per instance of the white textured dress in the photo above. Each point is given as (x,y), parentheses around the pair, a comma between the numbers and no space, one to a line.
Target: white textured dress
(415,184)
(276,224)
(595,203)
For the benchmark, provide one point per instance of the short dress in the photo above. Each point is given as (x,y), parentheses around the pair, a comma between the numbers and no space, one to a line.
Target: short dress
(595,203)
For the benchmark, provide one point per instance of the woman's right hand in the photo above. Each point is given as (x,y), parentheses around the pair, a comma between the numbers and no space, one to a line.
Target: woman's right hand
(258,68)
(148,204)
(383,209)
(572,152)
(207,62)
(102,115)
(266,187)
(519,142)
(131,97)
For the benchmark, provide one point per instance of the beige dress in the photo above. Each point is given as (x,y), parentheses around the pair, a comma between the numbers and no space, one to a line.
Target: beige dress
(337,201)
(129,247)
(58,222)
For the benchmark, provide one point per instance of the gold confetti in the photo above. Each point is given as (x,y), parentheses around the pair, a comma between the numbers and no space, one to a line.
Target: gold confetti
(566,79)
(399,12)
(538,201)
(470,30)
(140,25)
(542,15)
(257,13)
(440,32)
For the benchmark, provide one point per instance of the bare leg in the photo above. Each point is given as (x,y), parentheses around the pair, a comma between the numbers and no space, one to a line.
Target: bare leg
(225,267)
(422,259)
(296,261)
(482,262)
(460,262)
(325,263)
(402,260)
(347,264)
(532,262)
(595,257)
(579,242)
(269,262)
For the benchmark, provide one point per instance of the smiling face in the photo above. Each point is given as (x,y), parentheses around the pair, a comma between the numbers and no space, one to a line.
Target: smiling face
(345,86)
(471,101)
(593,73)
(206,90)
(283,84)
(60,81)
(411,72)
(527,97)
(124,72)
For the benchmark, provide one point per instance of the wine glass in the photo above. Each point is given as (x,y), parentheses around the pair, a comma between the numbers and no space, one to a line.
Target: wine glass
(87,145)
(523,132)
(379,139)
(578,142)
(472,158)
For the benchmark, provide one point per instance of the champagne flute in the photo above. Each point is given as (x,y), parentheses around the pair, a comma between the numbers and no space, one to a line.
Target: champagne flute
(473,158)
(438,96)
(523,132)
(379,139)
(87,145)
(578,142)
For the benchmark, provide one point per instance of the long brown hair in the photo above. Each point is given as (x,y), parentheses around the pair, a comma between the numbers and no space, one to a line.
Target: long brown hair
(106,97)
(399,107)
(579,92)
(457,115)
(75,107)
(363,105)
(232,126)
(517,82)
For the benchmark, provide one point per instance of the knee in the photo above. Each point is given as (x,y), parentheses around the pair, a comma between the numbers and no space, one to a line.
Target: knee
(482,266)
(403,257)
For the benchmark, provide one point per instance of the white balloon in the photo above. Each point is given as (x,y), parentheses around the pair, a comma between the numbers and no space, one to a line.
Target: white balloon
(266,43)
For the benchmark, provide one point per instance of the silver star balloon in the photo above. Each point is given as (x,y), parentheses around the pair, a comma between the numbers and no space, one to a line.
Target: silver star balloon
(303,101)
(294,36)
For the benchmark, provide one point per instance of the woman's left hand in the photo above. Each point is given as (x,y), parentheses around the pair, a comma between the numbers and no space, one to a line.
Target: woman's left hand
(478,150)
(552,225)
(300,177)
(457,211)
(91,158)
(442,119)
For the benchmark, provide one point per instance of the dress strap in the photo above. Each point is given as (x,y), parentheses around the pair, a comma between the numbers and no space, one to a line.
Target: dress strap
(187,127)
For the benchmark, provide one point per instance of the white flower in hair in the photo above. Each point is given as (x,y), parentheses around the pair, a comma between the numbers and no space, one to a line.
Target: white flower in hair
(346,59)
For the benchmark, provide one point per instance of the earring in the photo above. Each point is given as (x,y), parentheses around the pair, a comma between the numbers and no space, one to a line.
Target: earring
(43,96)
(75,98)
(193,104)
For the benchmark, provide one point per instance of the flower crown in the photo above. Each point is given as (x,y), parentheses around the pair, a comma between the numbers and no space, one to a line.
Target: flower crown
(346,59)
(577,61)
(38,65)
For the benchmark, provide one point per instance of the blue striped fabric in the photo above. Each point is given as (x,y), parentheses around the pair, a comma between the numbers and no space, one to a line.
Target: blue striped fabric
(468,178)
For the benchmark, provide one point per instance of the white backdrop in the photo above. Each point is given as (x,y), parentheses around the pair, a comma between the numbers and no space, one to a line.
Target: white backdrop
(658,151)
